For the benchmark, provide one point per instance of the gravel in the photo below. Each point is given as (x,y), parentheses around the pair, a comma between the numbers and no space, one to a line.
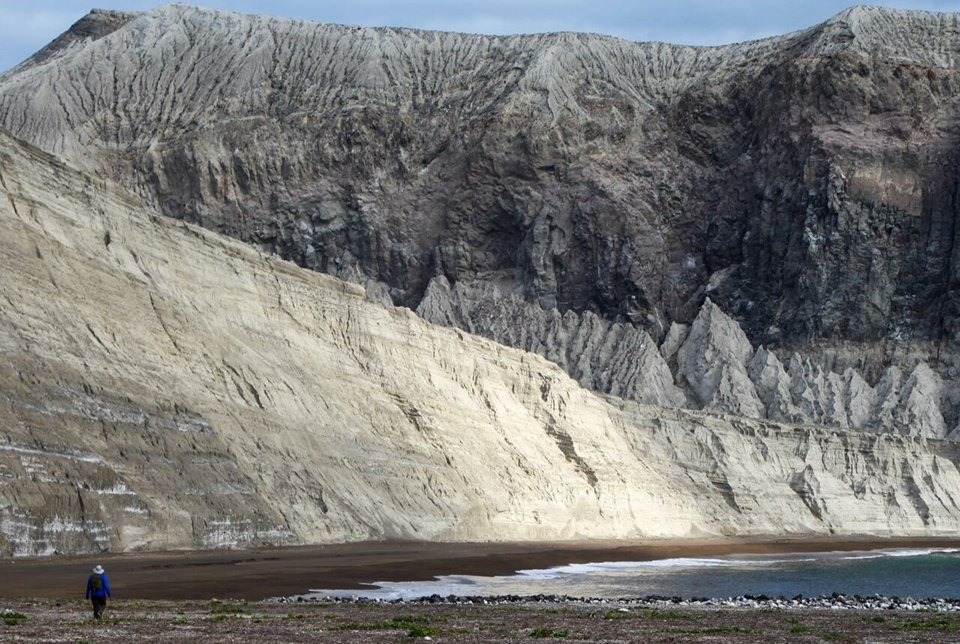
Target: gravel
(489,619)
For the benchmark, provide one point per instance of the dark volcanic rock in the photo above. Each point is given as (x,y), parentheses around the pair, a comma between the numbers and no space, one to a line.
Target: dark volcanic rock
(807,183)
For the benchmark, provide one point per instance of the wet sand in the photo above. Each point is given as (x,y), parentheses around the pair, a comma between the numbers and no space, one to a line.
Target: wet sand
(259,574)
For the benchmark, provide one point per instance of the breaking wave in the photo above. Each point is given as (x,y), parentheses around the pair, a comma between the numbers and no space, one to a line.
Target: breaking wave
(921,572)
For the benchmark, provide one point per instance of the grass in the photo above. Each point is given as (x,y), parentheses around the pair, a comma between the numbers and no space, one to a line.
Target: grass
(570,612)
(361,626)
(406,621)
(799,629)
(942,625)
(103,620)
(720,630)
(716,630)
(838,637)
(666,614)
(415,625)
(218,608)
(548,632)
(649,613)
(12,618)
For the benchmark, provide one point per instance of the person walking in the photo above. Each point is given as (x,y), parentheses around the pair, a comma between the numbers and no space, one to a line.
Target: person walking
(98,589)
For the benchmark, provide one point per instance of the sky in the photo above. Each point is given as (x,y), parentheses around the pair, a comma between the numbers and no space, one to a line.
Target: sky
(27,25)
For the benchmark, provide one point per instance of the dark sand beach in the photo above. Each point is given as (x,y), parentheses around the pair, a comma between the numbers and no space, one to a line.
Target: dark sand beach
(264,573)
(171,597)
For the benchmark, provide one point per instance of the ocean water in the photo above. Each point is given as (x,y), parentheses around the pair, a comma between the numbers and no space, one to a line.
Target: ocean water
(920,573)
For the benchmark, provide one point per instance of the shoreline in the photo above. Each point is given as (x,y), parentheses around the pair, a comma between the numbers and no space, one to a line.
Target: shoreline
(836,601)
(257,574)
(748,622)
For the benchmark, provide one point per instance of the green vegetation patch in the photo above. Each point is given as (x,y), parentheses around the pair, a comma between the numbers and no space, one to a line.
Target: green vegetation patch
(219,608)
(94,622)
(799,629)
(12,618)
(415,625)
(548,632)
(649,613)
(568,612)
(667,614)
(409,623)
(943,625)
(716,630)
(406,621)
(361,626)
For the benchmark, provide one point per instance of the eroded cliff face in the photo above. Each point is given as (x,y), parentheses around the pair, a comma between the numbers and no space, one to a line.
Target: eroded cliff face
(164,386)
(709,365)
(806,183)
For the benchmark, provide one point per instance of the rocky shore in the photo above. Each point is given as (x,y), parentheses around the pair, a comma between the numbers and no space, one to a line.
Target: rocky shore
(836,601)
(471,620)
(169,597)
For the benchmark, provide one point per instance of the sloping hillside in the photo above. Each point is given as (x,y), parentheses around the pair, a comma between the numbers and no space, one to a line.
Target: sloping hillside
(806,183)
(164,386)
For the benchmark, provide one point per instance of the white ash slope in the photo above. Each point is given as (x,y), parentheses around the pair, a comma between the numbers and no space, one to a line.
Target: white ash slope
(162,386)
(181,65)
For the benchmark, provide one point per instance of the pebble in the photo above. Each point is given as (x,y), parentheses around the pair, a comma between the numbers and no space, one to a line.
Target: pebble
(835,601)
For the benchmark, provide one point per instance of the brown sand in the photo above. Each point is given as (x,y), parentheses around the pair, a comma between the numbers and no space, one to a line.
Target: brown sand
(258,574)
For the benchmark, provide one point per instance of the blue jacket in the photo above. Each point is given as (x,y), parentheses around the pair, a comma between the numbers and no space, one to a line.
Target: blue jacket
(103,591)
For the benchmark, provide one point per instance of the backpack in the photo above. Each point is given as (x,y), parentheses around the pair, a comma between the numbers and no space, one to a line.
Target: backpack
(96,583)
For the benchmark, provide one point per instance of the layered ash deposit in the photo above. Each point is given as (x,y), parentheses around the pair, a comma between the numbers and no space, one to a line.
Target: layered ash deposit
(745,255)
(806,183)
(162,386)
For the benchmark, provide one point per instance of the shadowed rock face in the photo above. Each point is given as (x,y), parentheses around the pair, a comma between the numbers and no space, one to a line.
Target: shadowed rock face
(572,195)
(806,182)
(709,365)
(162,386)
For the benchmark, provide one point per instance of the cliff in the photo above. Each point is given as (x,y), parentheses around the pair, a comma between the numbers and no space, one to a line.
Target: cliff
(734,269)
(163,386)
(805,183)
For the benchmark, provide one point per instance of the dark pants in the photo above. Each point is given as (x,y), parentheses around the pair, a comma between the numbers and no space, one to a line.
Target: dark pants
(99,605)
